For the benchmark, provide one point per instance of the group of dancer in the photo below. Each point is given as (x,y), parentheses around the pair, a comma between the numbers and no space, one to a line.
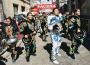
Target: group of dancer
(58,25)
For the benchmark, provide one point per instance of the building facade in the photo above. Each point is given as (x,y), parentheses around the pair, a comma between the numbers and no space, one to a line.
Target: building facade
(85,12)
(83,5)
(43,5)
(13,7)
(1,11)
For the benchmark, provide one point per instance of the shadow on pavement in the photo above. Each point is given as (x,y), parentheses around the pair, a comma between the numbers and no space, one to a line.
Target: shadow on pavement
(48,47)
(66,49)
(19,51)
(1,61)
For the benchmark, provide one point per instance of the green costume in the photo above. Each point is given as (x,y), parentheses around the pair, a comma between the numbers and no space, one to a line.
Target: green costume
(27,28)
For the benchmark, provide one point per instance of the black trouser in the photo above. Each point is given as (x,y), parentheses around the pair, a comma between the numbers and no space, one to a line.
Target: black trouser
(30,48)
(71,35)
(78,43)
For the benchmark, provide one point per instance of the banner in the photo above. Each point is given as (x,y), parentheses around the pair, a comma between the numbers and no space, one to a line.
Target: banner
(35,10)
(46,6)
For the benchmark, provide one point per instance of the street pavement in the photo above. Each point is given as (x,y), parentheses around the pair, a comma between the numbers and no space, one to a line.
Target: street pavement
(43,55)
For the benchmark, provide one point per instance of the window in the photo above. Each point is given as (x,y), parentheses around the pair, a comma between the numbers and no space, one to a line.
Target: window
(22,8)
(15,7)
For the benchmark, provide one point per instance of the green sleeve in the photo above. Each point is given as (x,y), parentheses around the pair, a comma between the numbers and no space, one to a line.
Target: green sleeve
(21,28)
